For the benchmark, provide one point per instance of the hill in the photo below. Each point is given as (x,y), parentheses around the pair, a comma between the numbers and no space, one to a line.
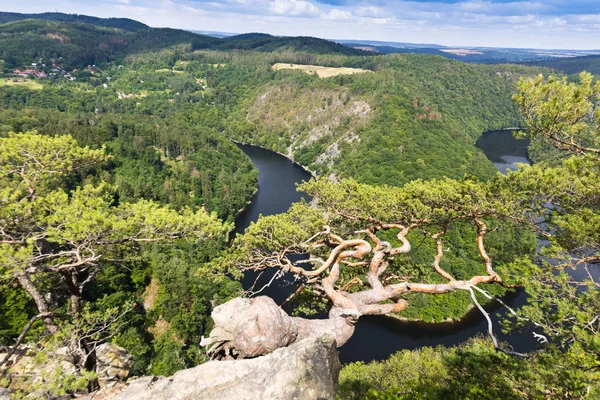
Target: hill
(572,65)
(415,116)
(268,43)
(480,55)
(120,23)
(77,44)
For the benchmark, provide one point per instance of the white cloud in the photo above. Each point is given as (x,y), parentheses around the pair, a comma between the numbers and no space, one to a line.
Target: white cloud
(591,18)
(191,9)
(535,23)
(295,8)
(337,15)
(370,11)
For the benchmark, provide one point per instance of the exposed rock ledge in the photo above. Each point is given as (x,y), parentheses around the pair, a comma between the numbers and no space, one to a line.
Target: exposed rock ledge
(307,370)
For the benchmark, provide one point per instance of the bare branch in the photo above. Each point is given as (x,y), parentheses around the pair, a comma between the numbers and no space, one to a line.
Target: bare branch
(23,333)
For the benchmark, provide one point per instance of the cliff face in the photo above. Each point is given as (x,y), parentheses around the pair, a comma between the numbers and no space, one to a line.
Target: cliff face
(307,370)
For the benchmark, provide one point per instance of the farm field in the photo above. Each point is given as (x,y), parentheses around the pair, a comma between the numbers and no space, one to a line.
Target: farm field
(322,72)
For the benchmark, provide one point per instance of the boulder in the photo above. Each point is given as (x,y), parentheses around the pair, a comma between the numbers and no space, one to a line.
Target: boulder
(307,370)
(252,327)
(113,364)
(246,328)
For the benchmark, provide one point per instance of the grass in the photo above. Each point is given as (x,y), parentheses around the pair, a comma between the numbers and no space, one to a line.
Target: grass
(322,72)
(21,82)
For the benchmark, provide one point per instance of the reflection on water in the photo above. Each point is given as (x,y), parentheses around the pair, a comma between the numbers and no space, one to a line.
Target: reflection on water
(509,163)
(504,150)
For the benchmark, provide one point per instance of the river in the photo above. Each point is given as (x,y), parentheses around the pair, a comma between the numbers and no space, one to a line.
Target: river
(504,150)
(277,181)
(377,337)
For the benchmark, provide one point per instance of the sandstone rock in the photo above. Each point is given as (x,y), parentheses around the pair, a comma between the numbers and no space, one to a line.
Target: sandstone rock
(307,370)
(5,394)
(113,364)
(24,371)
(247,328)
(45,395)
(105,393)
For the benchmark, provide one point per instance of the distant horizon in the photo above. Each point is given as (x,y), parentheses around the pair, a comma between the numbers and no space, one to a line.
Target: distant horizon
(514,24)
(228,34)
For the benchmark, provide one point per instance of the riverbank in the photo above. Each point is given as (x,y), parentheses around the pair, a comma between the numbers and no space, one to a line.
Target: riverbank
(241,210)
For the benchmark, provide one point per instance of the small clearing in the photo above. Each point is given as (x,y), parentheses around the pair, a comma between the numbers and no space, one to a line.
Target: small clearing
(20,82)
(122,95)
(169,70)
(150,294)
(322,72)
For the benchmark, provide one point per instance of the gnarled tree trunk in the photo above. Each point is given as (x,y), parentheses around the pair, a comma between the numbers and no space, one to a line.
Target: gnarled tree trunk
(251,327)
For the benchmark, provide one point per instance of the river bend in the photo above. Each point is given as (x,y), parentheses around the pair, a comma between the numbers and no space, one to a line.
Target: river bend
(378,337)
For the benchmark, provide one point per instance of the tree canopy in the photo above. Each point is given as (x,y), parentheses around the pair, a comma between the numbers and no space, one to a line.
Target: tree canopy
(57,236)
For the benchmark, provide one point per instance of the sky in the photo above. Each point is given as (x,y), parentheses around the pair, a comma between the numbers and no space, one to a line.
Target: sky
(548,24)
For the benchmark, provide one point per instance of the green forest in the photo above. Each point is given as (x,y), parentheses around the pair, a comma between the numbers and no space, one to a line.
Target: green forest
(120,183)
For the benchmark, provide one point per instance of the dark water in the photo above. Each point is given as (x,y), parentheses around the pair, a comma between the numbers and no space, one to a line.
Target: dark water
(504,150)
(376,337)
(277,181)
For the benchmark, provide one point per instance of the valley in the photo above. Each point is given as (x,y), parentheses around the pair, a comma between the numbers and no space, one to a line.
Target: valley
(150,177)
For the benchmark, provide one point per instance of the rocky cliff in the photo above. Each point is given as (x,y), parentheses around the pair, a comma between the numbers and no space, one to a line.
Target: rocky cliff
(307,370)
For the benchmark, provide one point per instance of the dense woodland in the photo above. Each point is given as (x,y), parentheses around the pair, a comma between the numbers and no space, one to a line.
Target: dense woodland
(78,42)
(120,23)
(144,130)
(573,65)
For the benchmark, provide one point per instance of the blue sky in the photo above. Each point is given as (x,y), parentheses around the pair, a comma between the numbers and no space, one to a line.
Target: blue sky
(572,24)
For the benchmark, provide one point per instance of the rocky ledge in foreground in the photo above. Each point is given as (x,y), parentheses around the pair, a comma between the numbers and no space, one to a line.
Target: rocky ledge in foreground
(307,369)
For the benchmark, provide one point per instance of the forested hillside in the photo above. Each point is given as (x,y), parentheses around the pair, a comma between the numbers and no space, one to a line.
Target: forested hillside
(76,45)
(162,138)
(269,43)
(121,23)
(573,65)
(415,117)
(76,42)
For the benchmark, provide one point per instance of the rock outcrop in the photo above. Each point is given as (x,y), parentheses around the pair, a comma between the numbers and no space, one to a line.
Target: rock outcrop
(29,371)
(5,394)
(246,328)
(113,364)
(251,327)
(24,371)
(307,370)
